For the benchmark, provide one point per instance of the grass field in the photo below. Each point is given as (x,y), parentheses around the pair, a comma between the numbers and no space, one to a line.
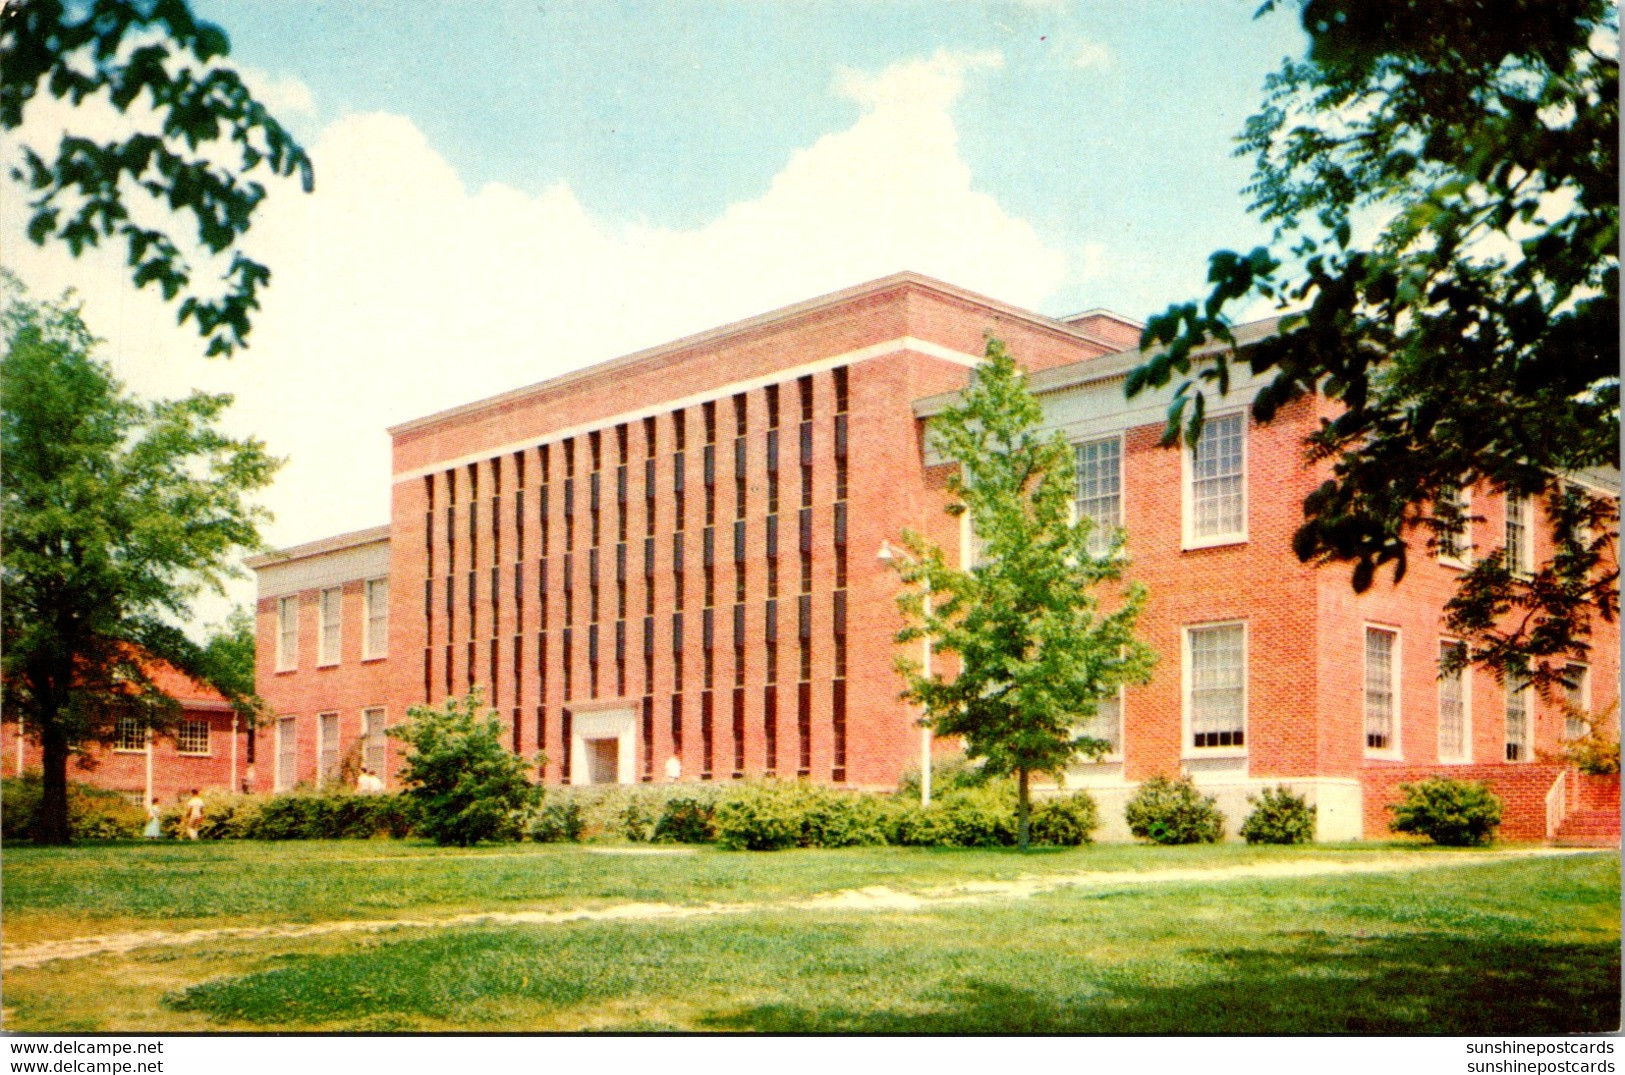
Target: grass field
(1463,947)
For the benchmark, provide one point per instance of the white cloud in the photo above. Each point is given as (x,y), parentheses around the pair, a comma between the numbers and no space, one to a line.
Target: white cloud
(284,96)
(398,291)
(1092,55)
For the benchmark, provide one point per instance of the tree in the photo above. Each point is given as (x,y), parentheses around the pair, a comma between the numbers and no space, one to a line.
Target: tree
(1443,180)
(116,514)
(463,784)
(193,113)
(1036,654)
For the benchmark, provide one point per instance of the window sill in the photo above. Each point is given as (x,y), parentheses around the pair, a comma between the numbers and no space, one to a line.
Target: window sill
(1385,755)
(1192,544)
(1203,753)
(328,664)
(375,658)
(129,750)
(191,754)
(286,671)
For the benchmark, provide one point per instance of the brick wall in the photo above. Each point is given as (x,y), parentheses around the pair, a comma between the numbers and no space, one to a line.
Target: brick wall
(1521,788)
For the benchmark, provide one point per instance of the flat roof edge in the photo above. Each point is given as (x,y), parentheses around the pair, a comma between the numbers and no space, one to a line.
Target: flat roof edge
(335,543)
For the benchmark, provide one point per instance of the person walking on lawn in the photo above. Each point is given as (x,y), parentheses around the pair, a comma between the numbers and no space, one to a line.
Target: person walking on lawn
(194,814)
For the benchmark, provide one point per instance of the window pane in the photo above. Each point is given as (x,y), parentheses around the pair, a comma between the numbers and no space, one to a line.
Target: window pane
(332,607)
(1575,703)
(1099,469)
(1218,490)
(192,737)
(1379,689)
(374,756)
(1218,686)
(1452,708)
(1520,548)
(328,729)
(1107,724)
(287,639)
(377,640)
(1517,739)
(287,753)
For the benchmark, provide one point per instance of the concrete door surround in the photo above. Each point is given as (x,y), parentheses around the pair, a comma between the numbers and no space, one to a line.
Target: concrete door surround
(619,724)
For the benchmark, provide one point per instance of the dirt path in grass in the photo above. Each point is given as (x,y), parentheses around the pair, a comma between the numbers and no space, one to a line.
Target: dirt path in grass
(877,898)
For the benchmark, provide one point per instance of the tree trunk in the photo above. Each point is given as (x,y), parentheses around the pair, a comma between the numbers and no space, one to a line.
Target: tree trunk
(51,821)
(1023,808)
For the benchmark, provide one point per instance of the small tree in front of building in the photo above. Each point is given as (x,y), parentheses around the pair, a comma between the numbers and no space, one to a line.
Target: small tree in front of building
(1035,651)
(463,784)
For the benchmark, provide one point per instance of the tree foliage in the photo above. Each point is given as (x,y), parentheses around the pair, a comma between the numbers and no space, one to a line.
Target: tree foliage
(1035,651)
(117,513)
(1443,181)
(464,786)
(158,65)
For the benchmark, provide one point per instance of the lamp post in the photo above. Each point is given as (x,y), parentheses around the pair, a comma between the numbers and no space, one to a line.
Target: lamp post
(886,555)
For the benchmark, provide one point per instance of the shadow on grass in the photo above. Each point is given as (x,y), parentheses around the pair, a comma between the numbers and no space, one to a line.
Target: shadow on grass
(1431,983)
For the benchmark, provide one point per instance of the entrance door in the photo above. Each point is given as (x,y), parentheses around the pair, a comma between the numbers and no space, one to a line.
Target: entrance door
(603,761)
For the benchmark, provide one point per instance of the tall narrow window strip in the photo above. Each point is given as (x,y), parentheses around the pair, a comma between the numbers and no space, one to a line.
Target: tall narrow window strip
(1100,490)
(1381,690)
(1453,700)
(1218,489)
(1217,673)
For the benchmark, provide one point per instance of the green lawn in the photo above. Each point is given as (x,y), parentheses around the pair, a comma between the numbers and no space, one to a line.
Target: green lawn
(1520,945)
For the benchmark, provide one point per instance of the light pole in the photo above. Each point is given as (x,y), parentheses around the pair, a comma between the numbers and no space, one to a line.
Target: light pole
(886,555)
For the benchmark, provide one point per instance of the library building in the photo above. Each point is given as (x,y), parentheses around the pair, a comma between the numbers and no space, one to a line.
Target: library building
(674,566)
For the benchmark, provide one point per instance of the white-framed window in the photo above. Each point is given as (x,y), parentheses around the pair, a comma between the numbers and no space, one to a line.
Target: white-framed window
(1453,542)
(972,550)
(1215,494)
(1576,701)
(1216,686)
(192,737)
(327,747)
(1517,739)
(332,625)
(376,641)
(1382,691)
(1107,724)
(1455,708)
(374,753)
(1099,466)
(129,733)
(287,633)
(1520,543)
(287,753)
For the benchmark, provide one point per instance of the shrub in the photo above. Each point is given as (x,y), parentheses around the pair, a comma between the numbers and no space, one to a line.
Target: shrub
(1173,812)
(1065,821)
(1279,817)
(637,818)
(1454,813)
(773,816)
(978,816)
(686,819)
(464,786)
(336,816)
(93,813)
(555,823)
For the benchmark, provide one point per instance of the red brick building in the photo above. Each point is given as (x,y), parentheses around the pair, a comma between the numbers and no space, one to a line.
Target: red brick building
(207,747)
(673,555)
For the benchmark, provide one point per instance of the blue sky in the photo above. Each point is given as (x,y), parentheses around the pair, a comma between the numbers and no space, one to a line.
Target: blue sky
(506,191)
(1107,123)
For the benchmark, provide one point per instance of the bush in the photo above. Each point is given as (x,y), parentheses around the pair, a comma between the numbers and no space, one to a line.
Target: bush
(978,816)
(637,818)
(335,816)
(1279,817)
(773,816)
(1454,813)
(464,786)
(1065,821)
(555,823)
(951,772)
(1173,812)
(93,813)
(686,819)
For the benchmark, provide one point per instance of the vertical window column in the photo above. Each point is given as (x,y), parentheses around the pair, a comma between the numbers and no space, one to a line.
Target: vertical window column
(838,685)
(543,533)
(428,590)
